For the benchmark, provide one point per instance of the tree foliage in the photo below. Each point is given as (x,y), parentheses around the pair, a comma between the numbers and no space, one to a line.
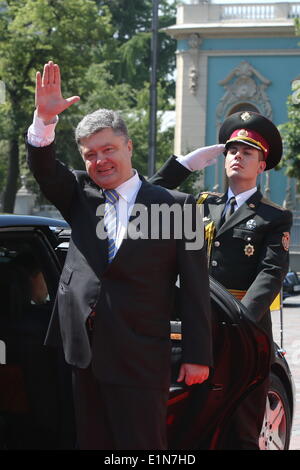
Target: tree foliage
(131,20)
(290,131)
(32,32)
(103,49)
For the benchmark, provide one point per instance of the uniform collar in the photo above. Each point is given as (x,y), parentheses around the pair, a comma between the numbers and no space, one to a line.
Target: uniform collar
(241,197)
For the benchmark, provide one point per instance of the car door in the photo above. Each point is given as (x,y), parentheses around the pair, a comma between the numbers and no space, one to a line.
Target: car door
(199,416)
(35,383)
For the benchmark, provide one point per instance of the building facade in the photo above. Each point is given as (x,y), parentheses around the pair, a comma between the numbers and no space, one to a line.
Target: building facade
(230,58)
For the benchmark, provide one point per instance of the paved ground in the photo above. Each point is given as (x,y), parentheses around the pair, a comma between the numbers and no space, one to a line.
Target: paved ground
(291,343)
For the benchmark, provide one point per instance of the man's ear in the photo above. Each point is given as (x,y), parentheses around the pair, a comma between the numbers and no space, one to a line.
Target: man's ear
(130,146)
(262,166)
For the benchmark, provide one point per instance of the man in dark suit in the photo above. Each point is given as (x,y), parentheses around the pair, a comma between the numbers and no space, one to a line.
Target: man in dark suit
(116,292)
(247,236)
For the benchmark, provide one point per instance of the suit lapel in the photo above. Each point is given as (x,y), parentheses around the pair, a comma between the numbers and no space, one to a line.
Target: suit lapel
(143,198)
(95,251)
(246,210)
(102,258)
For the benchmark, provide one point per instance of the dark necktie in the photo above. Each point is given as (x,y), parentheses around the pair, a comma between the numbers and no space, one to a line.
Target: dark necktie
(229,210)
(110,221)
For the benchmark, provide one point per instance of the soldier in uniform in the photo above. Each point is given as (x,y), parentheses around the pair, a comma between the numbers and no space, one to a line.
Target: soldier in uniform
(245,231)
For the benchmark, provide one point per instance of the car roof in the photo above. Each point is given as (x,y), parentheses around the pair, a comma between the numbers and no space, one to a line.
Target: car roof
(13,220)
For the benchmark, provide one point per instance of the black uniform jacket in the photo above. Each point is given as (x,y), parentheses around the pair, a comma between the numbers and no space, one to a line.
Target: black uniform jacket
(250,251)
(133,296)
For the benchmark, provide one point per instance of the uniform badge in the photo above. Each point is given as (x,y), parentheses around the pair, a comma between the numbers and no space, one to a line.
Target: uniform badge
(243,133)
(286,240)
(245,116)
(249,250)
(251,224)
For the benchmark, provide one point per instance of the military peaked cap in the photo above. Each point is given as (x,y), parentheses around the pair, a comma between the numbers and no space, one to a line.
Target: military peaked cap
(255,130)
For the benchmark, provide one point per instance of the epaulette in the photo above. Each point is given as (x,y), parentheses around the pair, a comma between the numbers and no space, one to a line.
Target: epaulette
(203,196)
(272,204)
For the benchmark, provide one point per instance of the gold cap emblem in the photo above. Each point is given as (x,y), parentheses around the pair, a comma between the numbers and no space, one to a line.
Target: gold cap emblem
(243,133)
(245,116)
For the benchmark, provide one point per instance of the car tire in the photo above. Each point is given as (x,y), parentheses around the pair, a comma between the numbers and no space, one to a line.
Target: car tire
(276,429)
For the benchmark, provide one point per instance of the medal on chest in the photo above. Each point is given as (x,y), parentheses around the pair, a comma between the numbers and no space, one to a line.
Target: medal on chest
(251,224)
(249,250)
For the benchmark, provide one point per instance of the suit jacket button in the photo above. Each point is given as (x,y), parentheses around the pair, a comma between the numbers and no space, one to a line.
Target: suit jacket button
(214,263)
(217,243)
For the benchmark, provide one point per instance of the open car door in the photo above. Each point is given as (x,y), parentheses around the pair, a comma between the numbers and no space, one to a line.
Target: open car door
(36,410)
(199,416)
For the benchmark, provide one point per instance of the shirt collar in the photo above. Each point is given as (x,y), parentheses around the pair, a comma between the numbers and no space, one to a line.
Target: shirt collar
(129,188)
(242,197)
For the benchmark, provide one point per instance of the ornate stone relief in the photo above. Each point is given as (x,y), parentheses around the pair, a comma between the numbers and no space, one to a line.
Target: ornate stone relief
(193,80)
(244,84)
(194,42)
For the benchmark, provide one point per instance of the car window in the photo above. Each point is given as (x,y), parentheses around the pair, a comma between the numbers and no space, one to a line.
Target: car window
(26,300)
(61,252)
(20,267)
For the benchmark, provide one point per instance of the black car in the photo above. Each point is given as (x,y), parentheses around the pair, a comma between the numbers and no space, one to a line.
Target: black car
(291,284)
(36,410)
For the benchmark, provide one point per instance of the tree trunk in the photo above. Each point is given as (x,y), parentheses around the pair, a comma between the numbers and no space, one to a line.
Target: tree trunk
(11,186)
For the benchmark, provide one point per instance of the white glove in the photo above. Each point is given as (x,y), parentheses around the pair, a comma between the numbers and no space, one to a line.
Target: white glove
(201,157)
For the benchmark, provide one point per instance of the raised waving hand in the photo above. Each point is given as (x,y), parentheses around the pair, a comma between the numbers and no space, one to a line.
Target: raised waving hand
(48,98)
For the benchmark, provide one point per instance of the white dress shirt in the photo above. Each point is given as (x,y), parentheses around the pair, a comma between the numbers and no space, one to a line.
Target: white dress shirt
(40,135)
(128,192)
(239,198)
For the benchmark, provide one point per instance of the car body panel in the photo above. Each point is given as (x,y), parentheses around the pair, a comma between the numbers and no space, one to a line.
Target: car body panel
(241,358)
(291,284)
(11,220)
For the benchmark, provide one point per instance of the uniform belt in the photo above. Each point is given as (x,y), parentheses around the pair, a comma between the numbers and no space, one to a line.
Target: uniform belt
(238,294)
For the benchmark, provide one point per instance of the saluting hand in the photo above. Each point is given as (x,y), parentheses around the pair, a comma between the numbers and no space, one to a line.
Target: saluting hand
(202,157)
(48,98)
(193,374)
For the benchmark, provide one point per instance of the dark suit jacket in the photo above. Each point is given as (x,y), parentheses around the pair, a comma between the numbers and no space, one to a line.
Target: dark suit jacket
(248,252)
(133,296)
